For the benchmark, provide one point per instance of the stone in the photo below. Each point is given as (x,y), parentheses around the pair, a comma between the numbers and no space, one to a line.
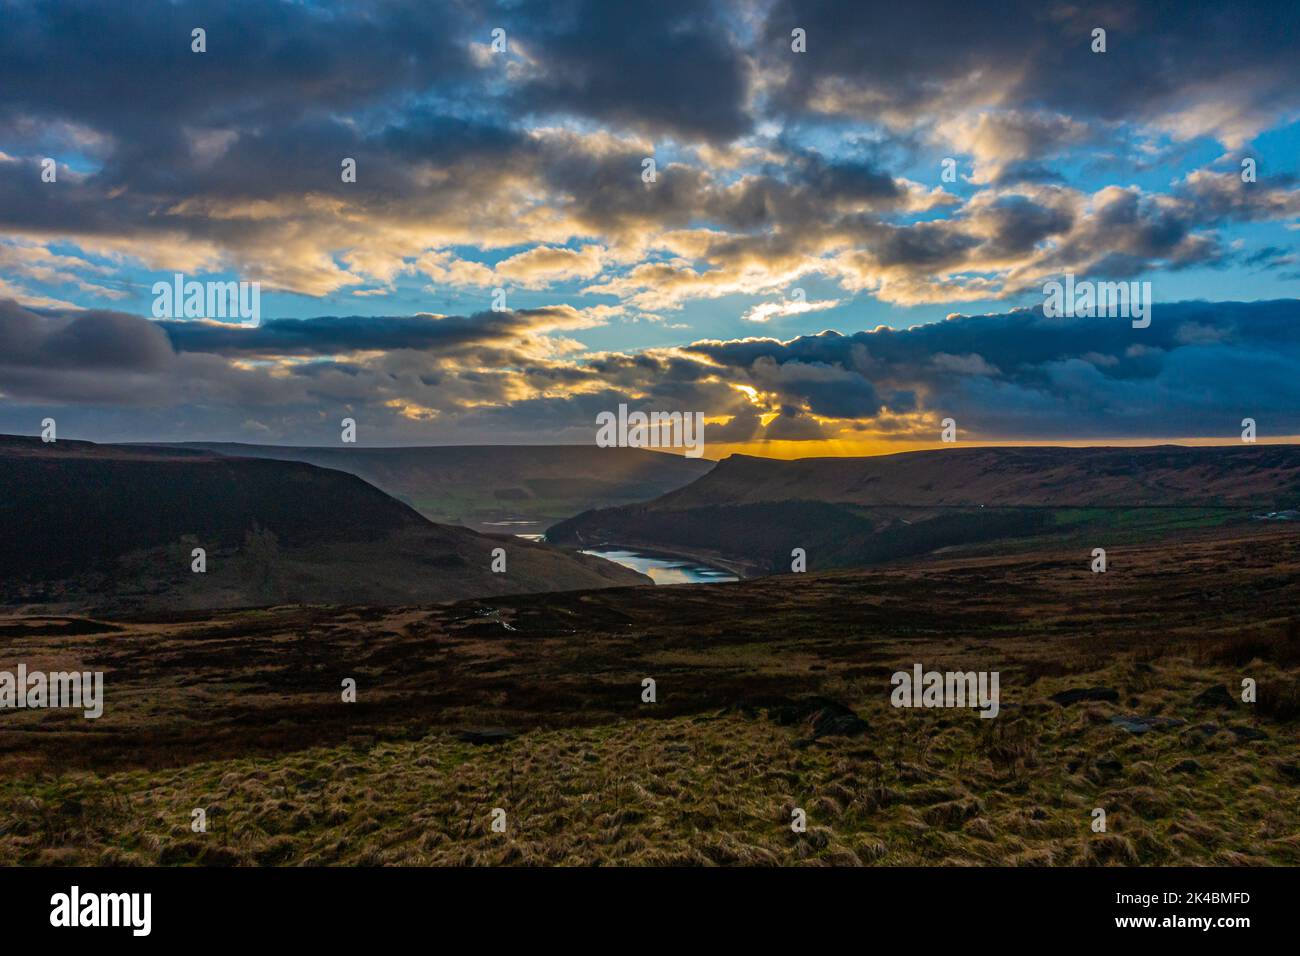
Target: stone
(1216,696)
(486,735)
(1136,724)
(1067,697)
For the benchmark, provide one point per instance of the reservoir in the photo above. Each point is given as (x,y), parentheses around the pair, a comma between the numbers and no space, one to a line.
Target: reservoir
(663,569)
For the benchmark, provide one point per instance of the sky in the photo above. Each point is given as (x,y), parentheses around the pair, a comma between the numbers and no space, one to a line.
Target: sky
(843,239)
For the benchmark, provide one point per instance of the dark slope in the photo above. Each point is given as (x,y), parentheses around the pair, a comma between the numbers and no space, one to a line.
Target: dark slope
(1164,475)
(479,485)
(65,507)
(854,511)
(111,526)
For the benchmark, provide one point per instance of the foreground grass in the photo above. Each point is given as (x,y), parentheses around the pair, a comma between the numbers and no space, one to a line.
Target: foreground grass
(239,714)
(919,787)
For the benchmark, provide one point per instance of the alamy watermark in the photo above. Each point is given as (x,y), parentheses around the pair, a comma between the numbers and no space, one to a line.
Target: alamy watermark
(190,299)
(75,908)
(922,688)
(653,430)
(82,690)
(1086,299)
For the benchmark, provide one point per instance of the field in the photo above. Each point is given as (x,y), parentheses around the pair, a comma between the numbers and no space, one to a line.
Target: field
(772,694)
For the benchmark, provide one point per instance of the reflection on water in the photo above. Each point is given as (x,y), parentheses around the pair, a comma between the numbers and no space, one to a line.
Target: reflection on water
(664,570)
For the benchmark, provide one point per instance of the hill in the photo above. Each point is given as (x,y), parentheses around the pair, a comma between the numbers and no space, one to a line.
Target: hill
(114,527)
(853,511)
(1118,691)
(1164,475)
(520,488)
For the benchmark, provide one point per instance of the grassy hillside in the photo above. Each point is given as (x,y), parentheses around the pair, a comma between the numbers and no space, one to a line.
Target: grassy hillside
(114,527)
(520,488)
(240,713)
(850,512)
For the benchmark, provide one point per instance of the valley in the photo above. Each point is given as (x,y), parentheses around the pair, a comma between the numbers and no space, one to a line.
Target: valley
(114,529)
(350,683)
(496,489)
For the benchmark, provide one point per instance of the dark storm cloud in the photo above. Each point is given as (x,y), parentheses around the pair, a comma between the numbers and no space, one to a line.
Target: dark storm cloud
(669,67)
(229,161)
(801,198)
(94,339)
(327,335)
(1022,375)
(181,144)
(129,68)
(117,359)
(98,357)
(1197,370)
(1018,224)
(179,185)
(672,66)
(680,67)
(851,180)
(945,54)
(792,425)
(931,245)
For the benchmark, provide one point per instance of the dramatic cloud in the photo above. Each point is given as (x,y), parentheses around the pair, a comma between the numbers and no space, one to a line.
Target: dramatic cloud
(1195,372)
(618,179)
(1203,68)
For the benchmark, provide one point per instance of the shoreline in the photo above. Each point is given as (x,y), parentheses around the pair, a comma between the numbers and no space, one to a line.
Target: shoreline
(741,571)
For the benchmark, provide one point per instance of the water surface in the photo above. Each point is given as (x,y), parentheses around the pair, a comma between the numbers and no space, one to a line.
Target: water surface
(663,569)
